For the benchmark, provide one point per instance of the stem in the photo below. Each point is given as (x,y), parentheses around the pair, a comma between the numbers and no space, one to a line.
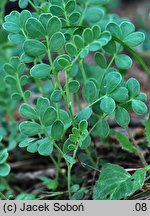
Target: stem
(69,180)
(138,149)
(69,104)
(31,3)
(78,102)
(20,89)
(66,99)
(82,70)
(3,196)
(83,14)
(38,83)
(58,170)
(135,55)
(58,110)
(111,61)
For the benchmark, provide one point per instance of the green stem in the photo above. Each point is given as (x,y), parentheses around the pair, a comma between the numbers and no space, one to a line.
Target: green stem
(69,180)
(3,196)
(34,7)
(135,55)
(20,89)
(83,14)
(78,102)
(82,70)
(69,104)
(58,110)
(39,85)
(69,170)
(58,83)
(111,61)
(58,170)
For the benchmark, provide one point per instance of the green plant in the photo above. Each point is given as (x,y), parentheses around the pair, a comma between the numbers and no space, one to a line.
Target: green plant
(55,40)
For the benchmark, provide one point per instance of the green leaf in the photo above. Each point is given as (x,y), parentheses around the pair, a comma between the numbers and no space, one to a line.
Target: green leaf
(65,118)
(120,183)
(78,41)
(26,58)
(125,143)
(23,3)
(101,60)
(102,128)
(114,29)
(12,22)
(44,19)
(33,147)
(51,184)
(71,49)
(110,47)
(57,130)
(75,131)
(86,142)
(56,10)
(49,116)
(127,28)
(9,69)
(83,125)
(88,35)
(26,142)
(107,105)
(34,48)
(123,61)
(112,79)
(4,169)
(142,97)
(25,196)
(122,117)
(94,14)
(24,80)
(73,86)
(139,107)
(84,114)
(79,195)
(30,128)
(56,96)
(70,6)
(134,39)
(17,38)
(74,18)
(45,147)
(42,105)
(133,86)
(54,25)
(27,111)
(3,156)
(66,146)
(69,159)
(96,31)
(73,138)
(57,41)
(147,130)
(134,53)
(40,71)
(63,61)
(120,94)
(35,28)
(89,91)
(24,16)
